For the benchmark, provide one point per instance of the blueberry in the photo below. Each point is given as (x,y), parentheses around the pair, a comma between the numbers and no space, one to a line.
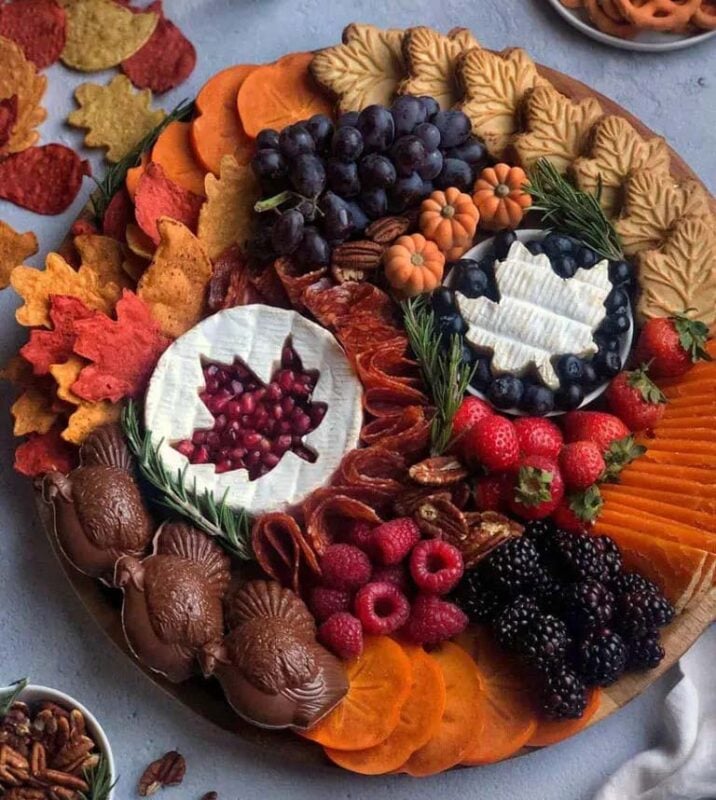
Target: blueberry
(607,364)
(614,324)
(619,272)
(483,374)
(609,343)
(586,257)
(469,356)
(461,263)
(616,299)
(565,266)
(451,323)
(589,374)
(505,391)
(569,396)
(570,368)
(537,400)
(535,248)
(443,301)
(556,244)
(472,282)
(502,243)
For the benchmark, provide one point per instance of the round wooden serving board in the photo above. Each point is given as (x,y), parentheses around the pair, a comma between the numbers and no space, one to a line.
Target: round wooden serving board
(205,697)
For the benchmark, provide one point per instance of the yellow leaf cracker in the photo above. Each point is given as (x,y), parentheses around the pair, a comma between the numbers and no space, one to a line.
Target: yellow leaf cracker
(89,417)
(174,286)
(616,150)
(367,68)
(116,117)
(101,33)
(14,249)
(65,375)
(33,412)
(19,78)
(557,128)
(432,61)
(139,243)
(104,256)
(35,287)
(653,203)
(227,217)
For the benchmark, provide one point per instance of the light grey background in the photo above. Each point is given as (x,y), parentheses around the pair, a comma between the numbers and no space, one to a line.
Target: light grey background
(45,632)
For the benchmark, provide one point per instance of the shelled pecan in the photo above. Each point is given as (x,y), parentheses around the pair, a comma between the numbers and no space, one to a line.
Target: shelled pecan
(486,531)
(438,471)
(359,255)
(387,229)
(169,770)
(439,518)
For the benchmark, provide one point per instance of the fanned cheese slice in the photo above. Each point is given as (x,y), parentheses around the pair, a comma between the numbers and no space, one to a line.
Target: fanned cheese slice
(539,315)
(255,334)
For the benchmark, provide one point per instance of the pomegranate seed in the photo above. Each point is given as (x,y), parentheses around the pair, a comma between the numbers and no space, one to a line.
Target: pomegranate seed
(318,412)
(276,412)
(218,403)
(212,385)
(264,445)
(252,458)
(286,379)
(247,403)
(274,392)
(288,357)
(251,439)
(233,410)
(259,393)
(284,426)
(220,422)
(287,404)
(237,453)
(224,466)
(210,370)
(186,448)
(199,437)
(270,460)
(302,424)
(212,439)
(282,444)
(201,455)
(237,387)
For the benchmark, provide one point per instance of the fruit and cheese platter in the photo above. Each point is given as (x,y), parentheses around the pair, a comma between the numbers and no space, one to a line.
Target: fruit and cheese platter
(370,403)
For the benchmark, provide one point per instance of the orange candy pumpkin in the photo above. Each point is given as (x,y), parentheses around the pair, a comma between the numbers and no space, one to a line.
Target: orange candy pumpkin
(500,196)
(414,265)
(450,220)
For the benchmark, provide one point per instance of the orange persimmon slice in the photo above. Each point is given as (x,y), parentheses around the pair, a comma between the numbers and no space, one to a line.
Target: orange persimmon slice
(506,705)
(279,94)
(420,718)
(379,683)
(551,731)
(460,724)
(217,130)
(173,151)
(131,180)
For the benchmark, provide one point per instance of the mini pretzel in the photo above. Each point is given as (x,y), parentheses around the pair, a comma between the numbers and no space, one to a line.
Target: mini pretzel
(658,15)
(596,10)
(705,16)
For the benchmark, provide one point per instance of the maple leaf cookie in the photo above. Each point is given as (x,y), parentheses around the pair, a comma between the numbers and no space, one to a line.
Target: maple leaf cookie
(616,150)
(557,128)
(366,69)
(432,60)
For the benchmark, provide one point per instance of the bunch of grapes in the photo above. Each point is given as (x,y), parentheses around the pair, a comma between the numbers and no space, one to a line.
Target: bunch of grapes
(323,184)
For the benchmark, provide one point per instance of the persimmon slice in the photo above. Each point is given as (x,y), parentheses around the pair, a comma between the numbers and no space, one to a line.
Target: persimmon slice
(681,515)
(173,151)
(379,683)
(420,718)
(551,731)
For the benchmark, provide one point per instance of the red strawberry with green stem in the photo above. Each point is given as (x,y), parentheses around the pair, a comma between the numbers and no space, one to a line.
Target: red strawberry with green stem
(578,510)
(538,437)
(672,345)
(595,426)
(581,464)
(493,443)
(538,488)
(636,399)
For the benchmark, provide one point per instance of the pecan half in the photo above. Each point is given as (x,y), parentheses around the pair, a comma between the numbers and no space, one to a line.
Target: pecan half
(16,729)
(169,770)
(408,502)
(438,518)
(25,793)
(438,471)
(210,796)
(387,229)
(348,274)
(362,254)
(486,531)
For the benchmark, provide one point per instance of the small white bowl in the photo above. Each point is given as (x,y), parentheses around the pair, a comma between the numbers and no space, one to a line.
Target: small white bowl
(33,695)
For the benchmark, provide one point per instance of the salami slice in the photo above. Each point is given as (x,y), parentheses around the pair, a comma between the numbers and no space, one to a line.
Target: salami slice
(282,551)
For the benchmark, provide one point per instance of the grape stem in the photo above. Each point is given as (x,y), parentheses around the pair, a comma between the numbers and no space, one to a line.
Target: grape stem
(272,202)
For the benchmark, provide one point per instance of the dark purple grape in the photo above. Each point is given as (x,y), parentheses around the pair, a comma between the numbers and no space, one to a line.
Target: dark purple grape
(347,143)
(331,202)
(308,175)
(337,224)
(374,202)
(349,118)
(406,192)
(267,139)
(321,129)
(313,250)
(473,151)
(342,177)
(429,135)
(454,127)
(377,126)
(307,209)
(426,189)
(432,165)
(269,164)
(431,105)
(295,140)
(408,153)
(360,220)
(455,173)
(287,232)
(376,171)
(407,112)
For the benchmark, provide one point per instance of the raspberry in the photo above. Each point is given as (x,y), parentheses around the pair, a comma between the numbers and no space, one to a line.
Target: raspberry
(325,602)
(436,566)
(360,535)
(432,620)
(397,575)
(381,608)
(344,566)
(343,635)
(394,540)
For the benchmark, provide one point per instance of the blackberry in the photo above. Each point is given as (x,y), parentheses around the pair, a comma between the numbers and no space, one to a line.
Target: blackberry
(646,652)
(512,622)
(633,582)
(546,590)
(564,695)
(640,613)
(481,603)
(511,567)
(588,603)
(542,642)
(578,557)
(601,657)
(612,556)
(539,531)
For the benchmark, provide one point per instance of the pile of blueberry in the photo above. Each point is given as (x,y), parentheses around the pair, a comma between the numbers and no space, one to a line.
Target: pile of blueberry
(578,376)
(332,180)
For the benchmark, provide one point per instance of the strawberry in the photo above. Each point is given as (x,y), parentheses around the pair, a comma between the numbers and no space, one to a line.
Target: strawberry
(594,426)
(620,453)
(471,411)
(636,399)
(565,519)
(672,345)
(582,464)
(493,443)
(491,492)
(538,488)
(578,510)
(538,437)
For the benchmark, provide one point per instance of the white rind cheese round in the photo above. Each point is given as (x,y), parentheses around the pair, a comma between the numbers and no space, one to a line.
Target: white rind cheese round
(256,335)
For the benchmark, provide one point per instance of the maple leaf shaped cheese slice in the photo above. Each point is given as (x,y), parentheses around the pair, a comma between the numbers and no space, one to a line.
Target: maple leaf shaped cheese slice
(616,150)
(366,69)
(682,275)
(539,315)
(653,203)
(557,128)
(432,63)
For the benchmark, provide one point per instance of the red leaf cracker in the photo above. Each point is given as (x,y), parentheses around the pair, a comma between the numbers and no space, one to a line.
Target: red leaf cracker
(157,197)
(55,346)
(43,453)
(8,117)
(165,61)
(173,152)
(19,78)
(14,249)
(32,412)
(118,214)
(38,26)
(45,179)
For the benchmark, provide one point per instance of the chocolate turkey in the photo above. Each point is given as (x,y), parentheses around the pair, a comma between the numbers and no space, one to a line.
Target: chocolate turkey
(99,514)
(173,599)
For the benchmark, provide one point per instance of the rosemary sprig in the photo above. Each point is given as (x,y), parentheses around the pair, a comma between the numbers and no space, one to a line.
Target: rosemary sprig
(9,696)
(99,779)
(444,372)
(115,175)
(231,530)
(572,211)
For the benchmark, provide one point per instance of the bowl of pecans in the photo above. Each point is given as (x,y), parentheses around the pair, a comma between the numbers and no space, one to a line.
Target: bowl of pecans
(51,747)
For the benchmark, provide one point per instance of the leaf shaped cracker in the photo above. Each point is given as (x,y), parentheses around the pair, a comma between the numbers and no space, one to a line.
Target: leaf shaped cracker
(432,63)
(616,149)
(101,33)
(48,348)
(682,275)
(653,203)
(557,128)
(65,374)
(495,84)
(116,117)
(19,78)
(226,217)
(367,68)
(33,412)
(104,256)
(174,286)
(42,453)
(158,197)
(14,249)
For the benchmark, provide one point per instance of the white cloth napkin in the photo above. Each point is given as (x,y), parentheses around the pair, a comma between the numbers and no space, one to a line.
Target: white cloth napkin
(683,765)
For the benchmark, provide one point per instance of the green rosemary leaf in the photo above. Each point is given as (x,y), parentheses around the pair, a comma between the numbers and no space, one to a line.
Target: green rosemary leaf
(99,780)
(9,695)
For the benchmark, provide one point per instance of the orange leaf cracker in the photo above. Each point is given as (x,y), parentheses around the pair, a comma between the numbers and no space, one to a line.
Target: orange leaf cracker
(89,417)
(116,117)
(43,453)
(65,375)
(104,256)
(19,78)
(173,151)
(227,216)
(174,286)
(14,249)
(32,412)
